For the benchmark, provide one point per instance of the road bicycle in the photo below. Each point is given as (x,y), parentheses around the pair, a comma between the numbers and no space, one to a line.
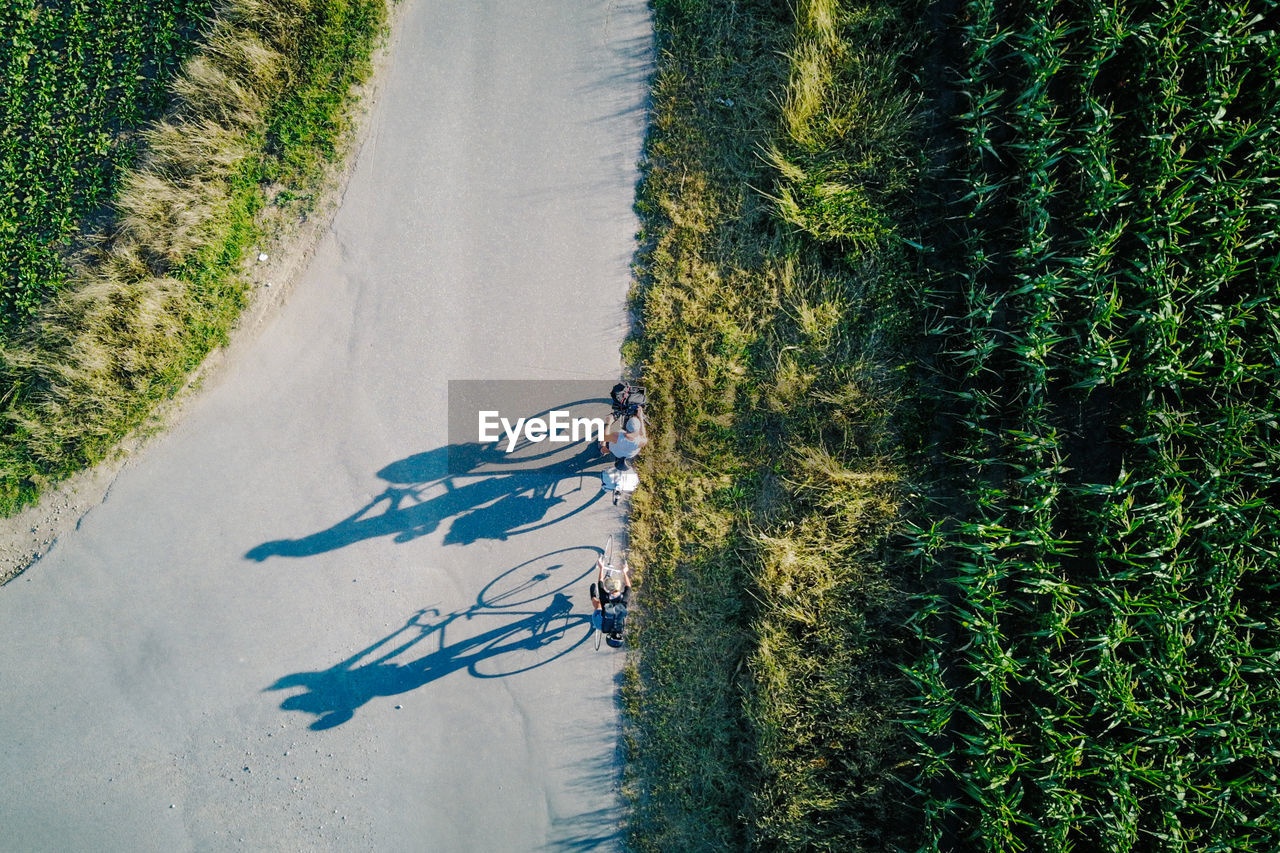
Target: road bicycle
(627,399)
(628,402)
(608,622)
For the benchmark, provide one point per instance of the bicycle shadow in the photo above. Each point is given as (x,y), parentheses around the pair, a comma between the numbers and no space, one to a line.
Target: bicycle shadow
(485,500)
(333,695)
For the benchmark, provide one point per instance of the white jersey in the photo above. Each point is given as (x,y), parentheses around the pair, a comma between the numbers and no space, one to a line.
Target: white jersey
(623,447)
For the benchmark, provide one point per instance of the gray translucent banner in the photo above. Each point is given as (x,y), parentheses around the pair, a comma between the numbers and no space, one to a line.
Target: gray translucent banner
(508,426)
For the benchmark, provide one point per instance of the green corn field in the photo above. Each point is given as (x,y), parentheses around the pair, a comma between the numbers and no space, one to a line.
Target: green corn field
(77,78)
(1100,667)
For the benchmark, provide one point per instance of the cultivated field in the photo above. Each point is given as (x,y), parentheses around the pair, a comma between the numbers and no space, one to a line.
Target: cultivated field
(1101,663)
(968,321)
(78,79)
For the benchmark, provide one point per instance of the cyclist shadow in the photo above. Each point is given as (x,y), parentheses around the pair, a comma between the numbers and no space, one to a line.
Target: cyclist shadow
(465,482)
(334,694)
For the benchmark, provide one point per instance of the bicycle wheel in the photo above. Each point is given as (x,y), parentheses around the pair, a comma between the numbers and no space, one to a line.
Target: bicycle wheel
(607,556)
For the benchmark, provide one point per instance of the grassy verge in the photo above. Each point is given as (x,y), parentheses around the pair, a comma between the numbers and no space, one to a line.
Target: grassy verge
(256,113)
(762,694)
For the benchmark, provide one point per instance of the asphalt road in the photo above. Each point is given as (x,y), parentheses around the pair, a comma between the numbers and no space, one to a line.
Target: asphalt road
(288,626)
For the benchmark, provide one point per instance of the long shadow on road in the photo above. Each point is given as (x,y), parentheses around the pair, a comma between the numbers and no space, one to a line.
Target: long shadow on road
(534,624)
(485,501)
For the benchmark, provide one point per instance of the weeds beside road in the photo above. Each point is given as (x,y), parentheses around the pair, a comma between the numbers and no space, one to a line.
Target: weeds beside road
(762,698)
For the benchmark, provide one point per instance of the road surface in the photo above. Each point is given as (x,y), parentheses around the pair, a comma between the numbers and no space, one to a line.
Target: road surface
(288,626)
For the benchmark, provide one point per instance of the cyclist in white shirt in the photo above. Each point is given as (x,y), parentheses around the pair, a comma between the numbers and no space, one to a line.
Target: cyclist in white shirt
(625,441)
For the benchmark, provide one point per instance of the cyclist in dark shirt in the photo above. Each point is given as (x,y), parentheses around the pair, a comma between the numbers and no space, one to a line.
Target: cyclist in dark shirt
(610,590)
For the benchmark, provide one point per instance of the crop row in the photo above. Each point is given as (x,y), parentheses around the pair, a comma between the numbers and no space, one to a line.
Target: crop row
(76,78)
(1098,670)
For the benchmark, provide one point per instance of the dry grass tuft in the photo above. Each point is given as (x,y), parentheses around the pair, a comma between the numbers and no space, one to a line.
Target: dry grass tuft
(761,699)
